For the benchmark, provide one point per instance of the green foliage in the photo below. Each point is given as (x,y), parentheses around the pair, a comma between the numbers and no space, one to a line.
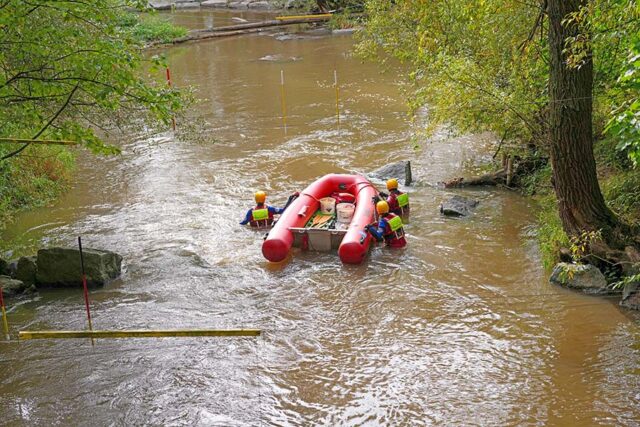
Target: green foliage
(152,28)
(611,32)
(622,193)
(625,123)
(467,66)
(32,180)
(68,68)
(551,236)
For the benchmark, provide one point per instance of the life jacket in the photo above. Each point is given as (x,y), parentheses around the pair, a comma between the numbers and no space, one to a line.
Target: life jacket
(261,217)
(398,202)
(394,231)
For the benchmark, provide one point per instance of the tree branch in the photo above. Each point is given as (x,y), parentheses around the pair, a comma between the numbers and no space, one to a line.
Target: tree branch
(46,126)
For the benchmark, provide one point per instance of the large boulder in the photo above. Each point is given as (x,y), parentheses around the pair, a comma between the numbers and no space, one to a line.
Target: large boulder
(61,267)
(26,270)
(12,287)
(458,206)
(585,277)
(399,170)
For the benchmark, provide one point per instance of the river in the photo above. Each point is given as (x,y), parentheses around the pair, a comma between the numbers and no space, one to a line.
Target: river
(459,328)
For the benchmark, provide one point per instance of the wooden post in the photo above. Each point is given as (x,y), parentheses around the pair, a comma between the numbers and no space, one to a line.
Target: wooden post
(509,170)
(408,179)
(84,285)
(504,161)
(5,324)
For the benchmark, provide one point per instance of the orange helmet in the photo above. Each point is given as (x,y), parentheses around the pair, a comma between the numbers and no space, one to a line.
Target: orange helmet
(260,196)
(392,184)
(382,207)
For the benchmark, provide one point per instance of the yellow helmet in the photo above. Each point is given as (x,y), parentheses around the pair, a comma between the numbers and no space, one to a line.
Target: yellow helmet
(260,196)
(392,184)
(382,207)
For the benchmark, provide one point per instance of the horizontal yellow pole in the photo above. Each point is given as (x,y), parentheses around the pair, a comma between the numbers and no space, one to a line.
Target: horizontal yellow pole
(34,335)
(37,141)
(318,15)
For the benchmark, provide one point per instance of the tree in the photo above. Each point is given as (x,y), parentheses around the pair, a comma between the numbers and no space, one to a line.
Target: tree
(70,68)
(524,71)
(580,202)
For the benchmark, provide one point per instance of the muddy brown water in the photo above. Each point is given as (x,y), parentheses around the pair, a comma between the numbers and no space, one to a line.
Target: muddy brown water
(460,328)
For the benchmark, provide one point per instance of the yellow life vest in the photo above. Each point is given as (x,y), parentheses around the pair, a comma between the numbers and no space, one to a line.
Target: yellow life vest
(260,214)
(403,200)
(395,223)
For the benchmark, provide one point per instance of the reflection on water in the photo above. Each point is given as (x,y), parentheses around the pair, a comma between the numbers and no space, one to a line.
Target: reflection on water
(460,327)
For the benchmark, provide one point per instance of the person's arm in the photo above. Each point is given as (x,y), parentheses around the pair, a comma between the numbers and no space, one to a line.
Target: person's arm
(275,210)
(377,233)
(247,217)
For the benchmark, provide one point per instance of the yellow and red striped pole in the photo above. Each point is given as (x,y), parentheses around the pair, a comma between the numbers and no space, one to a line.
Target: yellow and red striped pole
(5,324)
(335,83)
(173,119)
(284,102)
(84,286)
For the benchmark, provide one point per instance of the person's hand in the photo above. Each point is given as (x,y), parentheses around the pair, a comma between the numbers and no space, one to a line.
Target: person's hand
(383,195)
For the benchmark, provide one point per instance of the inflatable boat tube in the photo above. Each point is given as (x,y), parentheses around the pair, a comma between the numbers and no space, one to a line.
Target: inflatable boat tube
(355,244)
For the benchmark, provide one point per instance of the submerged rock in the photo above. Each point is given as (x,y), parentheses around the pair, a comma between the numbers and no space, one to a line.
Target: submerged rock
(458,206)
(12,287)
(399,170)
(580,276)
(61,267)
(26,270)
(279,58)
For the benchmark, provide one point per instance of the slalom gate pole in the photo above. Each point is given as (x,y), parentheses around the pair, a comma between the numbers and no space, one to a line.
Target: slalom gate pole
(84,286)
(335,83)
(284,102)
(173,119)
(5,324)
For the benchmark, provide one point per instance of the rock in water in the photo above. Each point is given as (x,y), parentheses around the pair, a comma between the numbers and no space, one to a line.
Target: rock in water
(12,287)
(579,276)
(458,206)
(399,170)
(61,267)
(26,270)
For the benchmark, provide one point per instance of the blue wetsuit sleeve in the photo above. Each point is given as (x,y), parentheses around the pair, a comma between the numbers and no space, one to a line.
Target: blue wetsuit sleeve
(247,217)
(275,210)
(378,232)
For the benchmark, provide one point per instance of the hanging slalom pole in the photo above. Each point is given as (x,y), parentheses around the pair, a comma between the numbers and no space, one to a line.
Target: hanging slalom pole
(84,285)
(173,118)
(284,102)
(335,83)
(5,324)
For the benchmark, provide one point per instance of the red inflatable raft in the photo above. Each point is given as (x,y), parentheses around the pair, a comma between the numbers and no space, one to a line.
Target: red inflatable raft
(353,246)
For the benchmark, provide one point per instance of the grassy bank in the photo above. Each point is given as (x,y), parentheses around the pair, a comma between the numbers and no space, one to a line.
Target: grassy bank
(152,27)
(32,179)
(620,183)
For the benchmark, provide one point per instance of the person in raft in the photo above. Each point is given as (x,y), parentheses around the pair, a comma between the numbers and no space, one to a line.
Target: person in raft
(398,201)
(389,228)
(262,214)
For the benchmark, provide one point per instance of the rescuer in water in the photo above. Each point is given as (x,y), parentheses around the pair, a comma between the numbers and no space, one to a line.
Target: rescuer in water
(262,214)
(389,228)
(397,200)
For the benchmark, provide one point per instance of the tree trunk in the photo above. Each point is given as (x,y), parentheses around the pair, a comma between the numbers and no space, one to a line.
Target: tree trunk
(580,201)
